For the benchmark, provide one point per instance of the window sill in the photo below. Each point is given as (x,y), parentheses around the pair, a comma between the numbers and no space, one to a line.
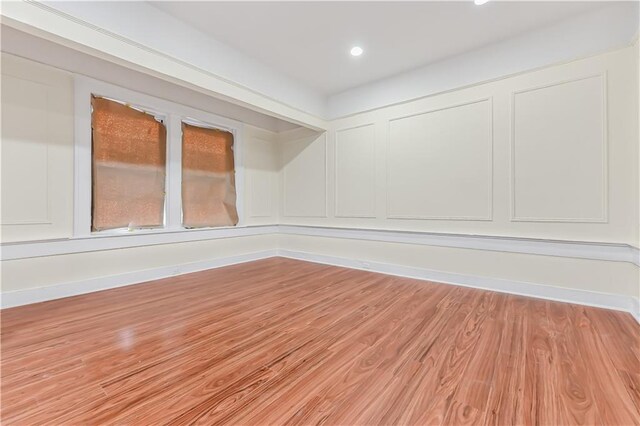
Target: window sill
(121,232)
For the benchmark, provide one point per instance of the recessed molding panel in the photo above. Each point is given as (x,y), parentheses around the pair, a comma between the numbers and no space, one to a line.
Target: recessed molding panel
(261,193)
(440,164)
(261,166)
(355,168)
(305,177)
(559,152)
(37,151)
(25,157)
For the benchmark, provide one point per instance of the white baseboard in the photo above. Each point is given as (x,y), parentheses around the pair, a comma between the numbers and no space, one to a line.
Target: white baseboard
(582,297)
(42,294)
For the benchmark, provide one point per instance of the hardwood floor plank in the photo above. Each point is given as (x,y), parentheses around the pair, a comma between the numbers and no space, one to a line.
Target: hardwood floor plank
(632,383)
(280,341)
(615,404)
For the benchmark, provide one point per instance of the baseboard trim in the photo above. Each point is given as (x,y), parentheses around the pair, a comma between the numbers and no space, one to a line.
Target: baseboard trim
(582,297)
(59,291)
(616,302)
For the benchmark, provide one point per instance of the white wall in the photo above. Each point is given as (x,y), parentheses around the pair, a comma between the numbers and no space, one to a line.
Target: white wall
(37,144)
(37,156)
(262,163)
(37,151)
(549,155)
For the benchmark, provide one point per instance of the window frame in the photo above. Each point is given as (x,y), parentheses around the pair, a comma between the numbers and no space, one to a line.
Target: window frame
(173,114)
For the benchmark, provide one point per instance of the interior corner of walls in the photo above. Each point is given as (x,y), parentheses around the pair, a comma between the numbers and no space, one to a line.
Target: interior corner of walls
(300,133)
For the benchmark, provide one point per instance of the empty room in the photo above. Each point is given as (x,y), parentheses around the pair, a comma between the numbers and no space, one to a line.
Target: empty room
(320,212)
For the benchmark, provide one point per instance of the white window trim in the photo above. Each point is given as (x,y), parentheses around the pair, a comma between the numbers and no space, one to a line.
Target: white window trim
(173,115)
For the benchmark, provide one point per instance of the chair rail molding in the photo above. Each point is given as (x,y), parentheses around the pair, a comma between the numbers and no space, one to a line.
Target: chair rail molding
(544,247)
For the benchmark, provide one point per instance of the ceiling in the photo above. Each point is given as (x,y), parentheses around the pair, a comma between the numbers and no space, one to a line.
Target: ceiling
(310,41)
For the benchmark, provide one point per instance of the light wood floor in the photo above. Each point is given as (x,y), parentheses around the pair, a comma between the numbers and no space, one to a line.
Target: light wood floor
(282,341)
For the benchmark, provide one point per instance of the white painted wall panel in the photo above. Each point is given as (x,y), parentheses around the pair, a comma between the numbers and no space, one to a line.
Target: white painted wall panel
(306,183)
(37,151)
(576,133)
(355,168)
(559,152)
(305,177)
(24,144)
(439,164)
(261,166)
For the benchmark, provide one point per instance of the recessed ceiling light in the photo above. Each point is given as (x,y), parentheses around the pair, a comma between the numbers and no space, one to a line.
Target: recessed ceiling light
(356,51)
(480,2)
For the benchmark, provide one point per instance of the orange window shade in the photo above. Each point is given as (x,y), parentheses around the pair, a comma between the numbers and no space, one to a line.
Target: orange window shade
(128,167)
(208,178)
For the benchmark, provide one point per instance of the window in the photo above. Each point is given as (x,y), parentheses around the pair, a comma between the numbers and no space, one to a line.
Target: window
(128,167)
(208,178)
(146,165)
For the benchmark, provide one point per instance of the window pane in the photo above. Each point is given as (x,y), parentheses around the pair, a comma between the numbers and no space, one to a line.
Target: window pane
(128,167)
(208,178)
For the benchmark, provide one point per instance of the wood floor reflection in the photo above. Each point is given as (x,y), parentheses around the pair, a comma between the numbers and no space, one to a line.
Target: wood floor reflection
(283,341)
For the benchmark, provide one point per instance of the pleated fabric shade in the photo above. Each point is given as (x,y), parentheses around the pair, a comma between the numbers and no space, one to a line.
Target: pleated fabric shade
(208,178)
(128,167)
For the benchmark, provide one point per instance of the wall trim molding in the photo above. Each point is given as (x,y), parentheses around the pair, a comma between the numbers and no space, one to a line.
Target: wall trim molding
(601,300)
(30,249)
(336,174)
(42,294)
(604,147)
(250,178)
(490,165)
(545,247)
(617,302)
(325,145)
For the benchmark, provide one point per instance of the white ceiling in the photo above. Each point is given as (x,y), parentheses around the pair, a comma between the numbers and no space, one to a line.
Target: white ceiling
(310,41)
